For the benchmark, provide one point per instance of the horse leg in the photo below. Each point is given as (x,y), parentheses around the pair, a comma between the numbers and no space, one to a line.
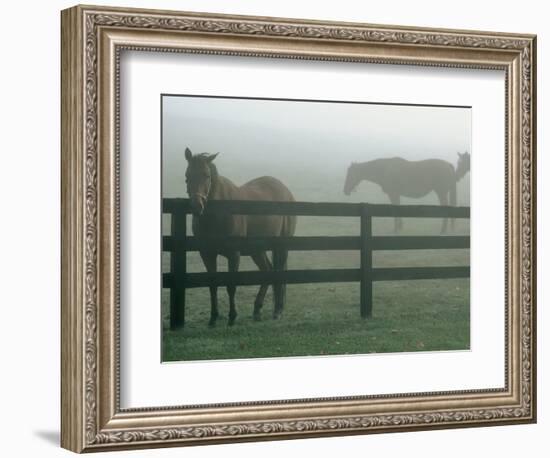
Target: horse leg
(442,195)
(233,260)
(279,264)
(263,263)
(395,199)
(210,262)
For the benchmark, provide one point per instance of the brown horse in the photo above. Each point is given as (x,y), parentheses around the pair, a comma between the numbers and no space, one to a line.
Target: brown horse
(204,184)
(398,177)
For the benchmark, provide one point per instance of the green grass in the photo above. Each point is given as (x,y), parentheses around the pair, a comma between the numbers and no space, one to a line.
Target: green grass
(324,319)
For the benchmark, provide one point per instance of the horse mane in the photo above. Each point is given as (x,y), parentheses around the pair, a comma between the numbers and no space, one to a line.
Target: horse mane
(214,175)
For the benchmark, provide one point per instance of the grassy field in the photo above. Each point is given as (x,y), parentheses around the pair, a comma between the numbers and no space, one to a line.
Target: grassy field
(323,319)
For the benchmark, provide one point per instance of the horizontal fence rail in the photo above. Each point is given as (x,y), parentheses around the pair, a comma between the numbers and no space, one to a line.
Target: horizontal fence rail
(252,207)
(247,278)
(317,243)
(179,244)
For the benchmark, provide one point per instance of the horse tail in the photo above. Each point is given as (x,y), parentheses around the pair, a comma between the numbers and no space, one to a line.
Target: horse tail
(452,200)
(280,263)
(280,258)
(289,226)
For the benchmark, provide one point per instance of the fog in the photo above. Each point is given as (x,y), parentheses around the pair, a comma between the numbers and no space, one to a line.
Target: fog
(307,145)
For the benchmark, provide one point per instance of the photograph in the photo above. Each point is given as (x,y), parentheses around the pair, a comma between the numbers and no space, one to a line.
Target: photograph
(315,163)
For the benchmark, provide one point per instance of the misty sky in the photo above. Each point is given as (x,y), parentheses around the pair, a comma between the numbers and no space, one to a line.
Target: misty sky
(296,141)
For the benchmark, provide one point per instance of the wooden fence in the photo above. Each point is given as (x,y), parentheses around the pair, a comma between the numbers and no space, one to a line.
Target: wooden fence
(179,244)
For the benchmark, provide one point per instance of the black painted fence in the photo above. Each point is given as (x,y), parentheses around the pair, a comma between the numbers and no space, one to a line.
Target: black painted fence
(179,244)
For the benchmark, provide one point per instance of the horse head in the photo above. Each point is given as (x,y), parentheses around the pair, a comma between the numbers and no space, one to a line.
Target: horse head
(199,176)
(463,165)
(352,179)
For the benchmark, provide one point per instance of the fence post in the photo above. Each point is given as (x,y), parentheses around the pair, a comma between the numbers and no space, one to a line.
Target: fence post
(366,262)
(178,268)
(278,288)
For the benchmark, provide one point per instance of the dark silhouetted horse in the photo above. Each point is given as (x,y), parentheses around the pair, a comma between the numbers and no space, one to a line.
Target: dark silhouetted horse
(398,177)
(205,184)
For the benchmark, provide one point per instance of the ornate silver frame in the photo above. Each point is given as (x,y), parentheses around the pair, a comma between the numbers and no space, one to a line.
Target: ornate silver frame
(92,38)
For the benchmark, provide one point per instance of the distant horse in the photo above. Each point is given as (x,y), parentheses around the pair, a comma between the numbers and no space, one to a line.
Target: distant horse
(205,184)
(398,177)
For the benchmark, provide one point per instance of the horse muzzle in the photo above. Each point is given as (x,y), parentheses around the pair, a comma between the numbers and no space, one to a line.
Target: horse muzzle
(198,203)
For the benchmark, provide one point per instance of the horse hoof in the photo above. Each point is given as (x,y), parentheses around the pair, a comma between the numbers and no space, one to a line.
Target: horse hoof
(276,316)
(257,316)
(212,323)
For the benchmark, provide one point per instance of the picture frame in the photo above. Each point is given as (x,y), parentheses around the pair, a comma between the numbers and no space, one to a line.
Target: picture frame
(93,40)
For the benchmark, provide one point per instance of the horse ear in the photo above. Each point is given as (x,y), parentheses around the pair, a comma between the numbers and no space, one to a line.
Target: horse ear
(212,157)
(188,154)
(459,155)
